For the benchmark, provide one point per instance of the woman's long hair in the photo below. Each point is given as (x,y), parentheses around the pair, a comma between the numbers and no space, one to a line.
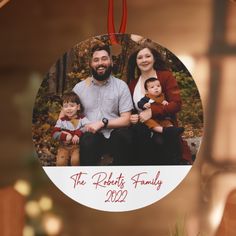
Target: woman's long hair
(133,72)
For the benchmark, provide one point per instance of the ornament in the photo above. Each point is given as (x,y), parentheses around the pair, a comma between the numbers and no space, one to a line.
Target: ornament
(152,168)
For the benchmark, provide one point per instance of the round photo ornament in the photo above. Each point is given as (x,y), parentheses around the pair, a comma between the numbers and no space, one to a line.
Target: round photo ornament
(114,120)
(117,126)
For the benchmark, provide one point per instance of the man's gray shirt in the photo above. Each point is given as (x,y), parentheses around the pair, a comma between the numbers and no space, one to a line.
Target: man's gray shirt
(108,100)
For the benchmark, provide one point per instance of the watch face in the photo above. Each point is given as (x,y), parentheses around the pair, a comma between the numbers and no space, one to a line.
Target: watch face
(124,168)
(105,121)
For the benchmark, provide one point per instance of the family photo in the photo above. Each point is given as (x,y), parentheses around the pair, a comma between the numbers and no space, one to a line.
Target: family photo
(129,104)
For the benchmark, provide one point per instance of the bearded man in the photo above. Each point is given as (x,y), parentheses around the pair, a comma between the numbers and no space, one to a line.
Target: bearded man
(107,104)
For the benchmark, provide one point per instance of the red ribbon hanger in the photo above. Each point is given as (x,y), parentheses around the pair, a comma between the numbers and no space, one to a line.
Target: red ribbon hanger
(110,21)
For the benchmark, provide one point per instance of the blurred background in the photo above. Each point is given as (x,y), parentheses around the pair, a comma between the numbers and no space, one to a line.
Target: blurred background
(34,34)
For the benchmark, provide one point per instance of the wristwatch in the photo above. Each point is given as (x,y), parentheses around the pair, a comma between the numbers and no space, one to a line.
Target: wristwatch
(105,122)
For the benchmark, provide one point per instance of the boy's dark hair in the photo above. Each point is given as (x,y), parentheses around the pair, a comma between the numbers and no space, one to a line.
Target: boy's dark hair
(71,97)
(100,47)
(149,80)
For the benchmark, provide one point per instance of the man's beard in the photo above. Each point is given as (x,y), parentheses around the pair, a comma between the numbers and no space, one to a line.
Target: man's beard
(103,76)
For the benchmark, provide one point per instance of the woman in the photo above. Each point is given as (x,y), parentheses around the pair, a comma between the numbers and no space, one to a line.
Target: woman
(144,63)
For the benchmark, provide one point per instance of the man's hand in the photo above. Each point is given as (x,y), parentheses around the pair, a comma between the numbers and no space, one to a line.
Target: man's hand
(145,115)
(94,127)
(62,114)
(134,119)
(147,105)
(75,139)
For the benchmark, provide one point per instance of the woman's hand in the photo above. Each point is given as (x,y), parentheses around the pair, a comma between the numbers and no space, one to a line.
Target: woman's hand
(165,103)
(145,115)
(134,119)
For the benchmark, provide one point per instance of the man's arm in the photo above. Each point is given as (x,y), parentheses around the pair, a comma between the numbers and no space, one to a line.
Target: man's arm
(122,121)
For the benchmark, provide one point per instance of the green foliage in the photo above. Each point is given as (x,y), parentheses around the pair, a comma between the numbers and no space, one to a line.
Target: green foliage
(179,229)
(192,112)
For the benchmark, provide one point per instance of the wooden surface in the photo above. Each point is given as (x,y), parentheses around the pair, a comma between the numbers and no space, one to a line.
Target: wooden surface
(227,226)
(11,212)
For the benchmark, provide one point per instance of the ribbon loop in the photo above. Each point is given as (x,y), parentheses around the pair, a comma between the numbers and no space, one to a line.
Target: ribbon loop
(110,20)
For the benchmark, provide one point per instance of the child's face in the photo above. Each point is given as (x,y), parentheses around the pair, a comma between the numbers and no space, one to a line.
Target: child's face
(154,88)
(70,109)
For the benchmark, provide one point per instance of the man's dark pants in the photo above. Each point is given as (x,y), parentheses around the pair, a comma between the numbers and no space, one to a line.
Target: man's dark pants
(119,146)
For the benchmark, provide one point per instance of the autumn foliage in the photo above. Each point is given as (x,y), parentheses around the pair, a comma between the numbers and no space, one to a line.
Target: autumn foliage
(73,67)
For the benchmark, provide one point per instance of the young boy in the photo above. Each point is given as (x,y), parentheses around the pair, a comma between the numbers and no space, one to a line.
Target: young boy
(154,94)
(68,130)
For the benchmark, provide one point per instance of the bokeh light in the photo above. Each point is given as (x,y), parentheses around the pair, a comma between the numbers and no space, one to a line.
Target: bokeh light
(23,187)
(32,209)
(52,224)
(45,203)
(28,231)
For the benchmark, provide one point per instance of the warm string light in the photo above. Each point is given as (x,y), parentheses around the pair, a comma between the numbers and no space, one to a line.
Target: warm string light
(28,231)
(35,208)
(45,203)
(52,224)
(38,211)
(32,209)
(23,187)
